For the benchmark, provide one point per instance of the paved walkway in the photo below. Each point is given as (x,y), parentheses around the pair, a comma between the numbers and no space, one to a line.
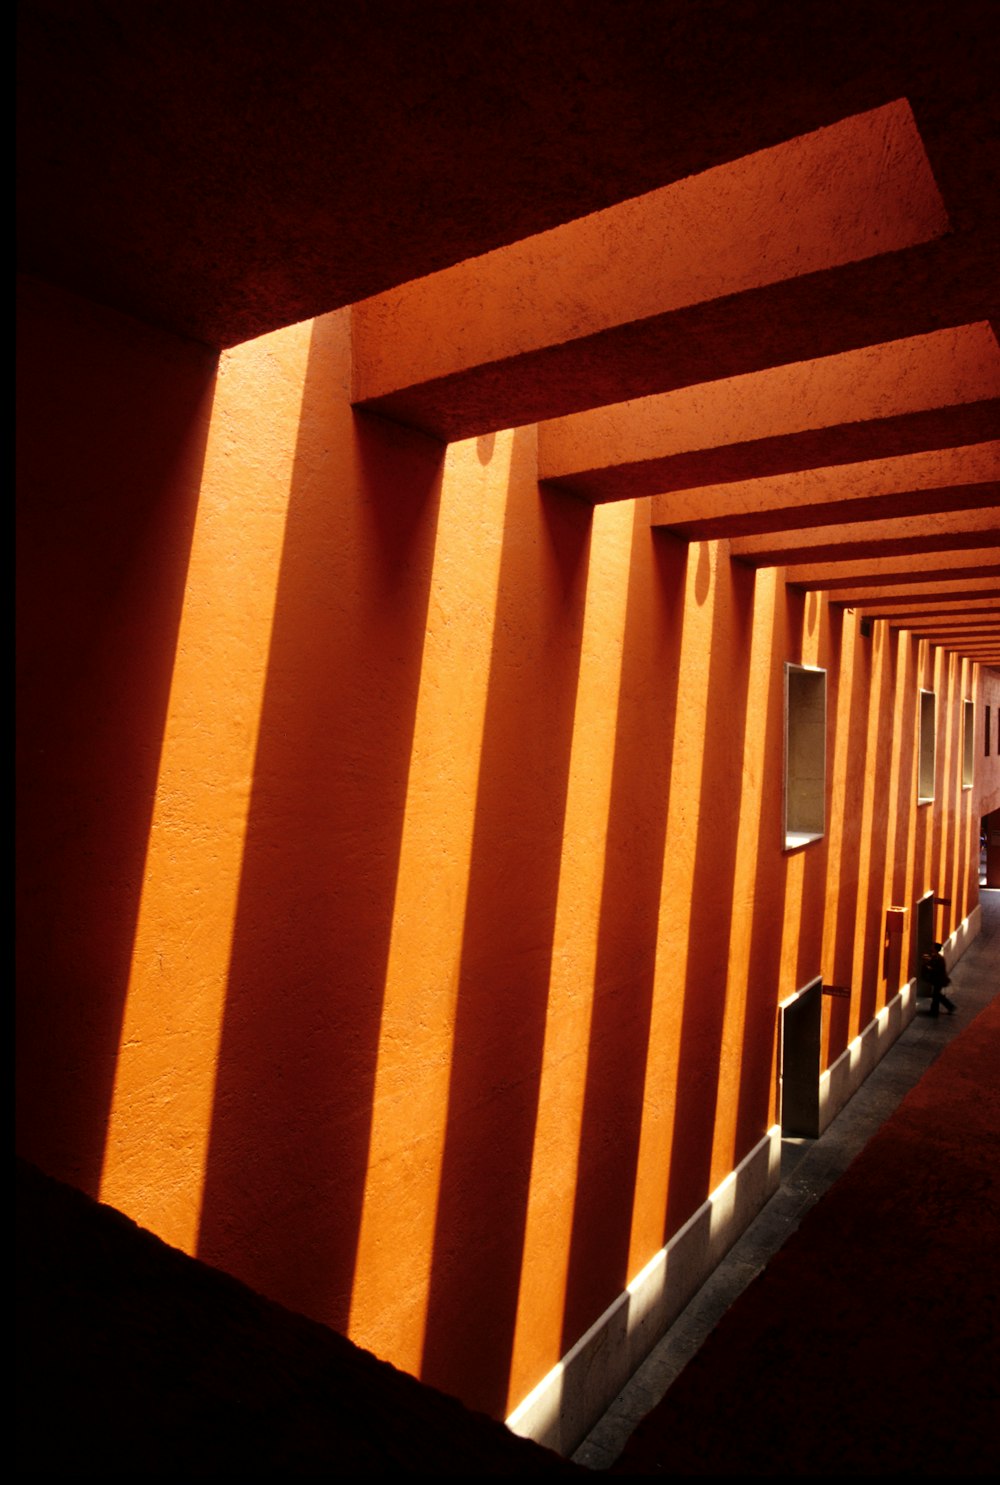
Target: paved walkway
(809,1168)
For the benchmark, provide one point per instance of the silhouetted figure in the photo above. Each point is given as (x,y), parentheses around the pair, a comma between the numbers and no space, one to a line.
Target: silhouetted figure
(936,975)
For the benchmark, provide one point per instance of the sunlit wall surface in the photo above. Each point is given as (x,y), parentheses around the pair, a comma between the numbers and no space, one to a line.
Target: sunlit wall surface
(406,894)
(453,910)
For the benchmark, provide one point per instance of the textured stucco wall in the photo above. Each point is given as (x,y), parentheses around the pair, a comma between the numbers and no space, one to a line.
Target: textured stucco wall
(987,764)
(112,422)
(405,896)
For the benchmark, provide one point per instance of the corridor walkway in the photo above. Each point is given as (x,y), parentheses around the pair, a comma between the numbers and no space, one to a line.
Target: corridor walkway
(869,1342)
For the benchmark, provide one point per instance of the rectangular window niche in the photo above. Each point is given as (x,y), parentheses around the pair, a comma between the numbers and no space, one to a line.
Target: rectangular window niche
(805,755)
(968,743)
(928,742)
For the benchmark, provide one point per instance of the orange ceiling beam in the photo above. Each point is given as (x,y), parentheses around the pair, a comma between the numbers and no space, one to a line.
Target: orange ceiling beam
(927,609)
(763,260)
(884,603)
(921,567)
(935,532)
(926,392)
(908,485)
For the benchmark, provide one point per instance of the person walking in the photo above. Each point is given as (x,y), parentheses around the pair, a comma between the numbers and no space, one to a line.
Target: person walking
(936,975)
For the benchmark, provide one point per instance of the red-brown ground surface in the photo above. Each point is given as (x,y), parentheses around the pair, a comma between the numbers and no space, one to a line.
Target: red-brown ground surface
(869,1345)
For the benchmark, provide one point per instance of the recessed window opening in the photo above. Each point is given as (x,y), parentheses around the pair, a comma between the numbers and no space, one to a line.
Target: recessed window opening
(986,749)
(805,755)
(927,746)
(968,711)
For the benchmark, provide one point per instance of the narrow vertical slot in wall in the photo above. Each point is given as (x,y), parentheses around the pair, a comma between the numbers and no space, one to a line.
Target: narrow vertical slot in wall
(805,755)
(928,741)
(968,720)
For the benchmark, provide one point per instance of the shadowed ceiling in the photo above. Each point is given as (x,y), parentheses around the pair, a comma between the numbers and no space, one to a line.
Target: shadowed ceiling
(796,349)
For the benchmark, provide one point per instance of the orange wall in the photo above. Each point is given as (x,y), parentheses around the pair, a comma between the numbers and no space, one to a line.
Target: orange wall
(987,765)
(403,888)
(112,422)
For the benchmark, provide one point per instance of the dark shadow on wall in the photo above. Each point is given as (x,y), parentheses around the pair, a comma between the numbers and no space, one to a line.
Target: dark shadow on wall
(878,768)
(625,966)
(291,1121)
(967,821)
(112,422)
(947,877)
(904,655)
(757,1096)
(507,939)
(856,762)
(812,904)
(713,880)
(967,883)
(923,869)
(899,652)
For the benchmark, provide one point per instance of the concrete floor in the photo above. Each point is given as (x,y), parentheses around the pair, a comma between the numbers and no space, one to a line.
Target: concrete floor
(808,1169)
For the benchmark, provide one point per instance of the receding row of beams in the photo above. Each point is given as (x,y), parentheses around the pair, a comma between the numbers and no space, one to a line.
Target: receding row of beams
(930,392)
(829,242)
(881,603)
(886,572)
(957,613)
(904,535)
(879,489)
(971,613)
(972,630)
(791,351)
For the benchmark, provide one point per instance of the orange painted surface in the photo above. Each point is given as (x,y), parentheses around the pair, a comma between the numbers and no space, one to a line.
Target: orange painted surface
(194,858)
(883,599)
(821,575)
(809,490)
(409,842)
(113,423)
(986,762)
(953,368)
(980,525)
(860,187)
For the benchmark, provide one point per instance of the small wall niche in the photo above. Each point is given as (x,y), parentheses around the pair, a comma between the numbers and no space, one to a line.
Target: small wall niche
(927,747)
(805,755)
(968,743)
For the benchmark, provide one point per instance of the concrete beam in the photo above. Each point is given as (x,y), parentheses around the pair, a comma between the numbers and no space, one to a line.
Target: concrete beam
(851,510)
(936,532)
(982,562)
(790,252)
(985,654)
(985,625)
(222,170)
(944,618)
(928,392)
(909,485)
(867,598)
